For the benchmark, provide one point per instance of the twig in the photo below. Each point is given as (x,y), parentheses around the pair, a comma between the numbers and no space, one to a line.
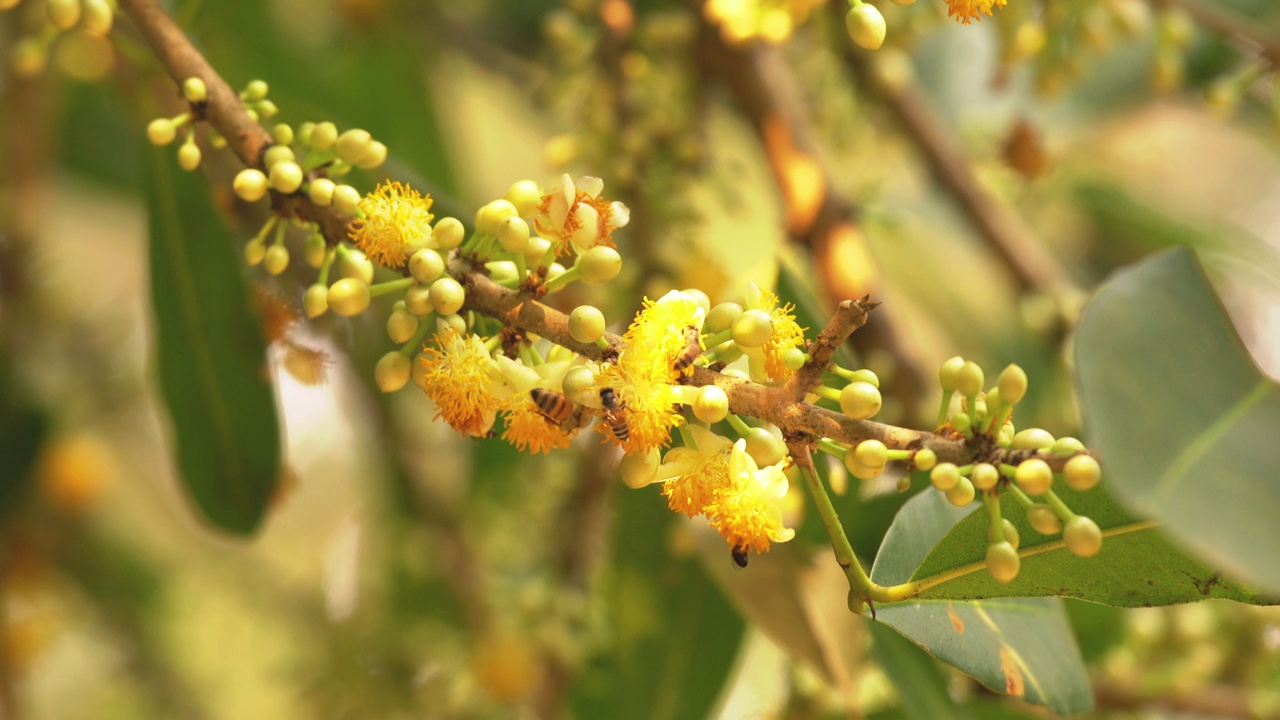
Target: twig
(849,316)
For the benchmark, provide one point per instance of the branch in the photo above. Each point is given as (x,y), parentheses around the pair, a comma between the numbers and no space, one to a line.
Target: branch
(849,316)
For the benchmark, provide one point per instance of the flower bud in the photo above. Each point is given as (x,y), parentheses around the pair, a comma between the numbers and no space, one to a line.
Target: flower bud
(866,376)
(353,145)
(315,301)
(452,322)
(969,380)
(526,196)
(984,476)
(491,216)
(860,400)
(426,266)
(1010,531)
(711,405)
(349,297)
(276,260)
(161,131)
(513,234)
(944,476)
(580,386)
(194,91)
(924,459)
(1064,446)
(599,265)
(63,14)
(277,154)
(321,191)
(250,184)
(722,316)
(1032,439)
(449,233)
(392,371)
(1012,384)
(865,25)
(764,447)
(1082,536)
(401,324)
(793,358)
(286,176)
(861,471)
(354,264)
(256,90)
(254,251)
(323,136)
(586,324)
(417,300)
(639,469)
(948,375)
(374,157)
(1081,472)
(1034,476)
(97,17)
(346,199)
(282,134)
(1044,520)
(752,329)
(447,295)
(871,453)
(1003,562)
(962,494)
(189,156)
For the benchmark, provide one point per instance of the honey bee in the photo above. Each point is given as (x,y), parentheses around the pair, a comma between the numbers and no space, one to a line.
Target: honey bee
(613,414)
(557,409)
(691,353)
(739,556)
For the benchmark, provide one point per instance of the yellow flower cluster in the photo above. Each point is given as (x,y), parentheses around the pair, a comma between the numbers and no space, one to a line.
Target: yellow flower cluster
(459,375)
(396,220)
(966,11)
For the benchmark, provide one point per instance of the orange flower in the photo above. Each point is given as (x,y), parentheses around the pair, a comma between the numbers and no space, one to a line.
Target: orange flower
(966,11)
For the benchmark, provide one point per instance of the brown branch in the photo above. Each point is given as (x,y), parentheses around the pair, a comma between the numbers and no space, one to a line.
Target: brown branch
(849,316)
(1226,24)
(1214,700)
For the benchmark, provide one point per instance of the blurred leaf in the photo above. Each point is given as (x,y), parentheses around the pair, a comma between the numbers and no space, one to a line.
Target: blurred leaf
(675,636)
(922,689)
(98,139)
(210,354)
(1185,421)
(1098,628)
(22,429)
(1136,567)
(1021,647)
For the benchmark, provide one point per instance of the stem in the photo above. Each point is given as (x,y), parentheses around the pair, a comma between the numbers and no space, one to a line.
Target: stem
(415,342)
(1020,496)
(831,447)
(390,286)
(719,338)
(323,277)
(603,343)
(564,278)
(943,407)
(992,501)
(825,392)
(738,425)
(1059,507)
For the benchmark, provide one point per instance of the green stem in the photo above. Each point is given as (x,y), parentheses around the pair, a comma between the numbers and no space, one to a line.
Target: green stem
(687,437)
(721,337)
(323,277)
(564,278)
(738,425)
(826,392)
(279,239)
(1059,507)
(944,406)
(522,269)
(415,342)
(860,584)
(831,447)
(602,342)
(1020,496)
(992,501)
(390,286)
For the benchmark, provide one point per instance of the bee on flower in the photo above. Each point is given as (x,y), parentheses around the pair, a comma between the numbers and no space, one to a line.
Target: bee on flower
(538,417)
(748,511)
(573,215)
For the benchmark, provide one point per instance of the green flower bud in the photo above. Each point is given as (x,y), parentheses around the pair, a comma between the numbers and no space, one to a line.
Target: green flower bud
(1034,476)
(699,297)
(353,145)
(1012,384)
(452,322)
(447,295)
(1082,536)
(722,316)
(793,358)
(250,184)
(491,216)
(286,176)
(267,109)
(63,14)
(282,134)
(314,250)
(502,271)
(969,380)
(924,459)
(1032,439)
(536,250)
(417,300)
(97,17)
(346,199)
(401,324)
(860,400)
(944,476)
(449,233)
(374,157)
(304,133)
(903,484)
(321,191)
(599,265)
(323,136)
(189,156)
(353,264)
(1064,446)
(984,476)
(580,386)
(161,132)
(962,494)
(752,329)
(1082,472)
(865,25)
(961,422)
(194,91)
(255,90)
(315,301)
(861,471)
(276,260)
(526,196)
(586,324)
(1003,562)
(349,297)
(949,375)
(764,447)
(865,376)
(277,154)
(426,266)
(711,405)
(392,371)
(254,252)
(639,469)
(1010,531)
(1044,520)
(513,234)
(871,453)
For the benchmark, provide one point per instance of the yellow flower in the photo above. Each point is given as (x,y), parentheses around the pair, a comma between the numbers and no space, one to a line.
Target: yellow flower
(643,378)
(526,427)
(769,360)
(461,378)
(968,10)
(396,221)
(574,215)
(748,511)
(694,475)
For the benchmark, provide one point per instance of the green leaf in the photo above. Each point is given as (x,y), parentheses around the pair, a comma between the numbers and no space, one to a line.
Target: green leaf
(210,353)
(1184,422)
(675,637)
(922,689)
(1021,647)
(1136,567)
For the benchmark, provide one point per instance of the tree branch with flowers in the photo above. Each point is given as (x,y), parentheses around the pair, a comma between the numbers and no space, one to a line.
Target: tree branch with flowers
(726,407)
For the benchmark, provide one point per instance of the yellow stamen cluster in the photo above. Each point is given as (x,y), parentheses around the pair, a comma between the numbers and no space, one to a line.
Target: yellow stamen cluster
(528,429)
(966,11)
(574,216)
(396,220)
(693,476)
(787,334)
(459,377)
(747,511)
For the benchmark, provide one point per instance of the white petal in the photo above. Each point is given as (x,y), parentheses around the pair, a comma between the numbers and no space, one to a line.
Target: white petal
(592,186)
(619,214)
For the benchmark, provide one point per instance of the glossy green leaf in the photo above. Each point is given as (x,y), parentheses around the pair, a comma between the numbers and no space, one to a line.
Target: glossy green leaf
(922,688)
(1136,567)
(1185,422)
(210,354)
(1021,647)
(674,636)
